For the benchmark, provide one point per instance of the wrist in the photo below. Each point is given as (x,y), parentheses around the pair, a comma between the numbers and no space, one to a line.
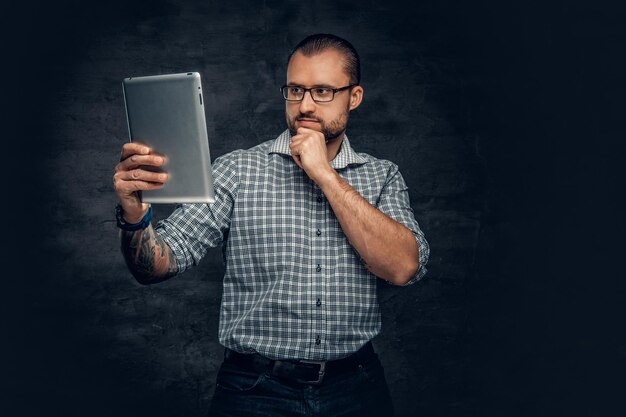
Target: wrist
(133,211)
(134,218)
(130,222)
(326,177)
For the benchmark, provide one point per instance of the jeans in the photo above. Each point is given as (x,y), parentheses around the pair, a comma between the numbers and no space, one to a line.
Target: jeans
(362,392)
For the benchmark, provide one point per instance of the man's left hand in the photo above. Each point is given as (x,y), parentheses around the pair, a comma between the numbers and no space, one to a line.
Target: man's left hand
(308,149)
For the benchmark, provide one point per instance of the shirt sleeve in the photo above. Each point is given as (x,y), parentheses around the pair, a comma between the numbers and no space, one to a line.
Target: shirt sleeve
(192,229)
(394,201)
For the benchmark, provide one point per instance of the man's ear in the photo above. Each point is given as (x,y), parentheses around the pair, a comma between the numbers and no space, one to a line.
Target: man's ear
(356,96)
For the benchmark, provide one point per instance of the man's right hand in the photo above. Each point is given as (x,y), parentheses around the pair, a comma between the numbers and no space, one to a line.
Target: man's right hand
(131,177)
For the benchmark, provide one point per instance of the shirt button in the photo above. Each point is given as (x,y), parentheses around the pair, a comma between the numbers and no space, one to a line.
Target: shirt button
(318,340)
(319,232)
(319,302)
(320,199)
(319,268)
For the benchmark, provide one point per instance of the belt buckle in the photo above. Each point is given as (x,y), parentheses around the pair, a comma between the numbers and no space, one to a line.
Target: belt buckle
(320,375)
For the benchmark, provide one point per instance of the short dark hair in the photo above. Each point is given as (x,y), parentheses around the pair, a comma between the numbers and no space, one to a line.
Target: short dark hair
(320,42)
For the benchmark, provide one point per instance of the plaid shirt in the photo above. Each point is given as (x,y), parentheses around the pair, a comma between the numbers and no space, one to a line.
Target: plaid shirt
(294,288)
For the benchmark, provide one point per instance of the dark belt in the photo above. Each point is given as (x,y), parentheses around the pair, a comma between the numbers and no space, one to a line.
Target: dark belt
(301,371)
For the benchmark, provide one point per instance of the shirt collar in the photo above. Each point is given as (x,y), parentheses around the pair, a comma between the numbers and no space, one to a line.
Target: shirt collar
(346,156)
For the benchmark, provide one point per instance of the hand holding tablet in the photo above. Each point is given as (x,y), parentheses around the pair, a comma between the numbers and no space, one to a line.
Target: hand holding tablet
(139,170)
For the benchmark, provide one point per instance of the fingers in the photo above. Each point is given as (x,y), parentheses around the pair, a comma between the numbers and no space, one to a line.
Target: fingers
(139,169)
(294,147)
(143,175)
(133,161)
(304,135)
(303,130)
(297,160)
(129,182)
(302,144)
(296,151)
(132,148)
(125,187)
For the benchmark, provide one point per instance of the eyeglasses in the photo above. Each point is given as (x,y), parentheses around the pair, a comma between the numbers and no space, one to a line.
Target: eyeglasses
(318,94)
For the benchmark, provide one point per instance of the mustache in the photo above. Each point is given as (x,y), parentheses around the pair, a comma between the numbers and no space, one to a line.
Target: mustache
(308,116)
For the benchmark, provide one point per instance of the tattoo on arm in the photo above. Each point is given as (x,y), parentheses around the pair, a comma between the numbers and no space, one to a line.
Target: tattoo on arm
(148,257)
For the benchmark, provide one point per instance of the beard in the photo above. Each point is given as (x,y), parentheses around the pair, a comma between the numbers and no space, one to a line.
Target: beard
(331,130)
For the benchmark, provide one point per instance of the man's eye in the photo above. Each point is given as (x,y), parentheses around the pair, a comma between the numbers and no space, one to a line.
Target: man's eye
(295,90)
(322,91)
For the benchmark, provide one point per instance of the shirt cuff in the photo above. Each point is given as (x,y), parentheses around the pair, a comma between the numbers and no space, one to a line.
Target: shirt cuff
(424,252)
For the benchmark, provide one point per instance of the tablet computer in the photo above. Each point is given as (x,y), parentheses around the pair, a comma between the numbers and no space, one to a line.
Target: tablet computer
(166,112)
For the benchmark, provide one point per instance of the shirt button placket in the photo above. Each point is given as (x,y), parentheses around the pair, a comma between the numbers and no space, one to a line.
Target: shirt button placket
(320,217)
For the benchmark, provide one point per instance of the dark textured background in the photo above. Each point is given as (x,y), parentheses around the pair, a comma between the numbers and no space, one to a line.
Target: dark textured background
(503,119)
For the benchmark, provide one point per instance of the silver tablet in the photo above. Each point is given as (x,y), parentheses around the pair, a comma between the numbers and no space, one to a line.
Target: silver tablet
(166,112)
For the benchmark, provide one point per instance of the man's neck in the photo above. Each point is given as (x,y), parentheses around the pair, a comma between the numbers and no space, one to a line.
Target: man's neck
(333,146)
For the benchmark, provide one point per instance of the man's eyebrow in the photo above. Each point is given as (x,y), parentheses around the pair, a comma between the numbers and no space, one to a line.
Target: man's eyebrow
(314,85)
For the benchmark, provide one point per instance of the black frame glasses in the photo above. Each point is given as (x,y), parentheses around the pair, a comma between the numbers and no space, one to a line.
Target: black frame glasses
(314,92)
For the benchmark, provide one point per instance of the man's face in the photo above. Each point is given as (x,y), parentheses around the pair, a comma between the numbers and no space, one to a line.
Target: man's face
(321,70)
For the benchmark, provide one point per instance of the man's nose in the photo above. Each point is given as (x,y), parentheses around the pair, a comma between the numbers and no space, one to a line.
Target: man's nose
(307,105)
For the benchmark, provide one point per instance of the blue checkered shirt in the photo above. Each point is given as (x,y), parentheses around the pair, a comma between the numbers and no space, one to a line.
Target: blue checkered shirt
(294,288)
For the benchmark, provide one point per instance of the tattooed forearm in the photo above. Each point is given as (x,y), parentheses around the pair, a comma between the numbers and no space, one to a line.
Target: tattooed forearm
(148,257)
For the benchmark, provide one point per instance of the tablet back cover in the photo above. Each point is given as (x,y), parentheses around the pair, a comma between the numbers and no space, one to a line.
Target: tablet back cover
(166,112)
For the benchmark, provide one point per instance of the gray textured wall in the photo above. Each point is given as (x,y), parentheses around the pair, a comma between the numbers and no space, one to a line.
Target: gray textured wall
(465,98)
